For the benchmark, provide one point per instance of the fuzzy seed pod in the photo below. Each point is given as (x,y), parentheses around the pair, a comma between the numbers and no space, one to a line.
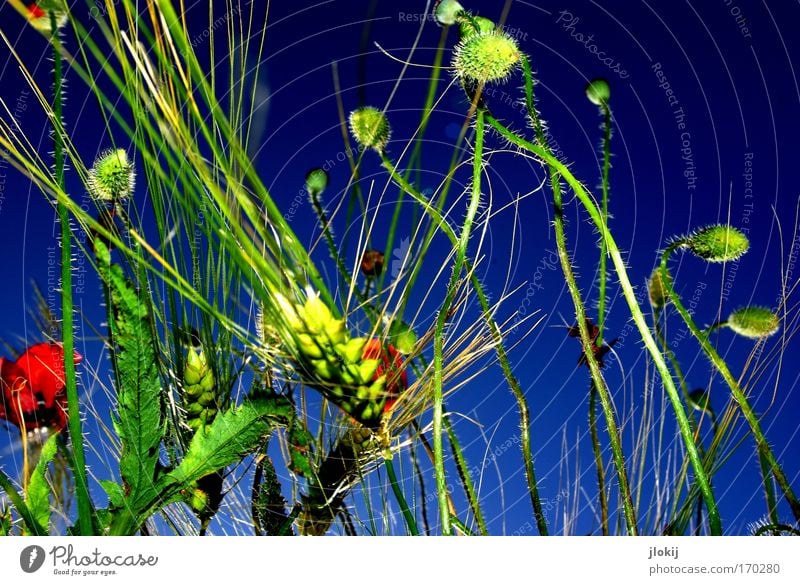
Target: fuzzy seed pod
(486,57)
(447,12)
(754,322)
(112,177)
(718,243)
(370,128)
(598,91)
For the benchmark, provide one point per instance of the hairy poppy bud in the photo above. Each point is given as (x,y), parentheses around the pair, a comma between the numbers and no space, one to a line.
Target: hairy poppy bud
(718,243)
(112,177)
(370,128)
(754,322)
(486,57)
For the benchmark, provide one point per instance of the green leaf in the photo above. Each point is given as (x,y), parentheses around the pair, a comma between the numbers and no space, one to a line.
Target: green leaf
(140,400)
(269,505)
(38,495)
(234,434)
(116,495)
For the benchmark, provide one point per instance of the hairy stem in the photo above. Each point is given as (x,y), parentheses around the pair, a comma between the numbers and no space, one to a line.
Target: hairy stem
(738,395)
(70,379)
(636,312)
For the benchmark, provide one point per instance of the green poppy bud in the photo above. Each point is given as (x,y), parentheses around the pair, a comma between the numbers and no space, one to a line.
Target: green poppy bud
(447,12)
(754,322)
(657,290)
(316,181)
(486,57)
(370,128)
(718,243)
(598,91)
(112,177)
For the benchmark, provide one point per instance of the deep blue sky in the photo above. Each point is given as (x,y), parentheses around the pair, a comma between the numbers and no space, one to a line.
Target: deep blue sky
(731,125)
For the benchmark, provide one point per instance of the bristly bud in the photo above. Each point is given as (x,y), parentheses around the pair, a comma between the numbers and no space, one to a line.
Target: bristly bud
(754,322)
(372,263)
(718,243)
(598,91)
(370,128)
(112,176)
(447,12)
(486,57)
(316,181)
(657,290)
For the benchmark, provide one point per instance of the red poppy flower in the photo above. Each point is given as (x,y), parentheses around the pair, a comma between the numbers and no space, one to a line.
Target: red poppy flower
(33,388)
(392,367)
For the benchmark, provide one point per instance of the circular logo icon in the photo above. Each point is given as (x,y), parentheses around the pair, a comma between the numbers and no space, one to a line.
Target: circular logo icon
(31,558)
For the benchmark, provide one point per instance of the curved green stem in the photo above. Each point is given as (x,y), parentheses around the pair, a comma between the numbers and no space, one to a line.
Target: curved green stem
(636,313)
(580,312)
(738,395)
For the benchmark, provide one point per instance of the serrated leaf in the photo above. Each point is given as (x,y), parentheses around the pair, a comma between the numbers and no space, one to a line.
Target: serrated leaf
(114,491)
(269,505)
(38,494)
(234,434)
(139,421)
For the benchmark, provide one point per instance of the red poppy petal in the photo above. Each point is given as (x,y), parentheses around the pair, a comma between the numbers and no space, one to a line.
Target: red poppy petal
(43,367)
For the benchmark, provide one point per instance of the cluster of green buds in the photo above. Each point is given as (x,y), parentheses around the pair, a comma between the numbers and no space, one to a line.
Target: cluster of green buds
(347,370)
(200,399)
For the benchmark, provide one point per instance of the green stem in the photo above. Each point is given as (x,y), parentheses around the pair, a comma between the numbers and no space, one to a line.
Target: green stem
(497,338)
(572,284)
(636,313)
(466,478)
(769,490)
(738,395)
(601,303)
(73,403)
(598,459)
(441,320)
(411,523)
